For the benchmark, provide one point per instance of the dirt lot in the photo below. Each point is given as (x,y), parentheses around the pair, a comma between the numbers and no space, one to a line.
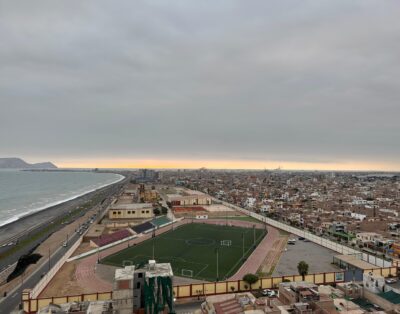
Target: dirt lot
(273,256)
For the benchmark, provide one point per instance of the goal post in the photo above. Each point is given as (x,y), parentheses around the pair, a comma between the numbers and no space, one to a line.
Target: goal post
(226,242)
(187,273)
(127,263)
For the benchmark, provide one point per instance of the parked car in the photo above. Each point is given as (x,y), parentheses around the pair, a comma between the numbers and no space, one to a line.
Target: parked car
(268,293)
(391,280)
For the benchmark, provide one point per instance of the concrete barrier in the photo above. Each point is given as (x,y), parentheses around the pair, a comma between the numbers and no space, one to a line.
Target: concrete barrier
(51,273)
(6,272)
(334,246)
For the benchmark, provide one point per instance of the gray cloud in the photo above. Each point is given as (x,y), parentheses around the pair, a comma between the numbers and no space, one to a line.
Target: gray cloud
(309,81)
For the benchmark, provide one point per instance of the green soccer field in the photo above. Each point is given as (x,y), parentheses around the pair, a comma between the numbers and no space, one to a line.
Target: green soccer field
(192,250)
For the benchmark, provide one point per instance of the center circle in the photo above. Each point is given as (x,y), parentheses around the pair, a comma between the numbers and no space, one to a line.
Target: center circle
(200,241)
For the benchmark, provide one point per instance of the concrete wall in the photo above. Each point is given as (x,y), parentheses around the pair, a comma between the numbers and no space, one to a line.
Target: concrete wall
(141,213)
(50,274)
(6,272)
(334,246)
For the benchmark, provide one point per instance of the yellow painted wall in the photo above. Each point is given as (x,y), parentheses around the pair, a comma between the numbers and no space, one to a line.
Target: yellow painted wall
(74,299)
(266,283)
(233,284)
(221,287)
(130,213)
(319,278)
(184,291)
(90,297)
(330,277)
(209,288)
(60,300)
(104,296)
(309,278)
(197,289)
(276,281)
(43,302)
(385,272)
(298,278)
(290,278)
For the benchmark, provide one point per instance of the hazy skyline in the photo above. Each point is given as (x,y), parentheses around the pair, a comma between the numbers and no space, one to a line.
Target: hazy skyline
(182,84)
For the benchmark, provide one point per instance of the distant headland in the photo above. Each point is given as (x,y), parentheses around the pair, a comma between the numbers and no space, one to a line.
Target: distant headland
(18,163)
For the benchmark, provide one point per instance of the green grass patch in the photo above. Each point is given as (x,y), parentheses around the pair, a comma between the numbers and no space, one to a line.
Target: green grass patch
(192,248)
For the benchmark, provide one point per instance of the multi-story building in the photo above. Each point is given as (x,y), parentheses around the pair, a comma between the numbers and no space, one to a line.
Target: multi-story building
(131,211)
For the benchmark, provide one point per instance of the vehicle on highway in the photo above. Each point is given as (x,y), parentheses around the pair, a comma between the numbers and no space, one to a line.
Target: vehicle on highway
(291,241)
(268,293)
(302,238)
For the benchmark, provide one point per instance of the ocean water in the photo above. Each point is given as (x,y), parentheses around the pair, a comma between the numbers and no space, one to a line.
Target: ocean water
(25,192)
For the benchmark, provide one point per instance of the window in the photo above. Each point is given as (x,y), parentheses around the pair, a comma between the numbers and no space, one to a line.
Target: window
(138,285)
(114,212)
(129,211)
(142,211)
(119,212)
(133,212)
(147,211)
(140,275)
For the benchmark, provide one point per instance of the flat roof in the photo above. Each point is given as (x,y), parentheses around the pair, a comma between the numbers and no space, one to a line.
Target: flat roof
(354,261)
(131,206)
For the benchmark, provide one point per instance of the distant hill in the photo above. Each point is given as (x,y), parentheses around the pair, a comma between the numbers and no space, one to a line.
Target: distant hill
(18,163)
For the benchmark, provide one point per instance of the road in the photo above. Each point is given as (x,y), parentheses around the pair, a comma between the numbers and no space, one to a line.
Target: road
(26,249)
(13,298)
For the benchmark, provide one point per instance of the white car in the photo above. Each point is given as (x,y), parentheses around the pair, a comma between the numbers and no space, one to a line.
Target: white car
(268,293)
(390,280)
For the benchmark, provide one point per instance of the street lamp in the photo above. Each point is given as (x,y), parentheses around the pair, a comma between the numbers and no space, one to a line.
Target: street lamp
(217,252)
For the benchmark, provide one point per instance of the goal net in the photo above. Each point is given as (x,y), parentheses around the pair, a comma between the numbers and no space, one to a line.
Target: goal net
(226,242)
(187,272)
(126,263)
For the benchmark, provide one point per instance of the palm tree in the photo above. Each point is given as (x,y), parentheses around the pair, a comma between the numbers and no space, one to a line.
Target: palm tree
(302,268)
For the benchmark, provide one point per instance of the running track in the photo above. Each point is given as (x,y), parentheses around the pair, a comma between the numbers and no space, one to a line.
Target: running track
(85,272)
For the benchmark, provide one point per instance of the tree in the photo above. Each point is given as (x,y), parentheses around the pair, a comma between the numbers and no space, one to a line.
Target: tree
(164,210)
(302,268)
(250,279)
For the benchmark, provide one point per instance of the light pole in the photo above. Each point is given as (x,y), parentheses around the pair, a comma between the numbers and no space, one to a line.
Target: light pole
(254,234)
(154,237)
(49,260)
(217,252)
(242,245)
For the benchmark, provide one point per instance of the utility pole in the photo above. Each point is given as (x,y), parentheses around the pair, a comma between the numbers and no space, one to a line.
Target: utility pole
(154,237)
(254,234)
(217,251)
(49,260)
(242,245)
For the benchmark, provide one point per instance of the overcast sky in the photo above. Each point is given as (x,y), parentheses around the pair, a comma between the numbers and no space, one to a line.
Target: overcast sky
(276,81)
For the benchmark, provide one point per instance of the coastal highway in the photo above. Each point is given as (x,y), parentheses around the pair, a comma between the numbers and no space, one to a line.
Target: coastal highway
(39,232)
(13,298)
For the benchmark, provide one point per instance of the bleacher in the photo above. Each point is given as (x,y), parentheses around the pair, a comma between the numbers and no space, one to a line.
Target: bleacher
(143,227)
(112,237)
(159,221)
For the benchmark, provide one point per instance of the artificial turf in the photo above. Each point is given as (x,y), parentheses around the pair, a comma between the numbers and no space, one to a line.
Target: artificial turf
(193,247)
